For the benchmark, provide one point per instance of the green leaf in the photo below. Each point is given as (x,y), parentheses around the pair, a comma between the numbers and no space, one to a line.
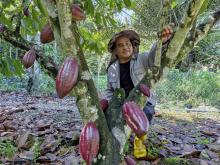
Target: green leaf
(173,4)
(6,68)
(40,7)
(98,18)
(105,22)
(6,3)
(112,21)
(111,5)
(18,67)
(204,6)
(89,7)
(119,6)
(4,20)
(85,33)
(127,3)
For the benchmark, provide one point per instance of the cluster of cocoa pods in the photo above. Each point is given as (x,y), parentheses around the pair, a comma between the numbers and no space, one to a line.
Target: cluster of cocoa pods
(47,36)
(65,81)
(89,142)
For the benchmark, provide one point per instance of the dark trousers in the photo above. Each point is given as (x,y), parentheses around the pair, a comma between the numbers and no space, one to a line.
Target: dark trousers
(149,111)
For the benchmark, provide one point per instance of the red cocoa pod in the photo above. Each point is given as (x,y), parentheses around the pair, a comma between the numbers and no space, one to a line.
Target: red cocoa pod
(104,104)
(145,90)
(89,142)
(46,34)
(77,13)
(26,11)
(67,77)
(135,118)
(29,58)
(130,160)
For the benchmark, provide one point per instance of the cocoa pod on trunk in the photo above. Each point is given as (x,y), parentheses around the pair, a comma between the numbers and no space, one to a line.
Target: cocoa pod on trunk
(145,90)
(77,13)
(104,104)
(26,11)
(67,77)
(130,160)
(89,142)
(29,58)
(46,34)
(135,118)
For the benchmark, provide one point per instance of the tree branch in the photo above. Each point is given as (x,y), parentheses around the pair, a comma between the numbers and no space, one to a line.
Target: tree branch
(201,31)
(17,41)
(184,28)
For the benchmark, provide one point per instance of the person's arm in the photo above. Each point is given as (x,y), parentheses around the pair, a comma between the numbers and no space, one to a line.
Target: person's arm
(108,93)
(148,58)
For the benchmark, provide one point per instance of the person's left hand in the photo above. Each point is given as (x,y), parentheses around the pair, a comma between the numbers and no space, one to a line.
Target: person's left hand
(166,33)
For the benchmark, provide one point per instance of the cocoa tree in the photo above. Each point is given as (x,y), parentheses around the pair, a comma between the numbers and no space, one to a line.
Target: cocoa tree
(112,128)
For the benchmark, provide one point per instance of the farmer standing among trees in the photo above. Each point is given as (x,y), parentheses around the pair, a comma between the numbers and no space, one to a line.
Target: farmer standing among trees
(127,68)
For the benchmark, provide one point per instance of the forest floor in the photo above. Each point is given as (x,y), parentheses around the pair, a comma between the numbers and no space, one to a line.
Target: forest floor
(45,130)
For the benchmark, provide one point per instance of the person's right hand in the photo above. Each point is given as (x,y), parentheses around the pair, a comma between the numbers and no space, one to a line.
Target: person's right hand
(166,33)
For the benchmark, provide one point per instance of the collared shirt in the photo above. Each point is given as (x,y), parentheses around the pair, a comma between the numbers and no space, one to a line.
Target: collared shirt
(138,65)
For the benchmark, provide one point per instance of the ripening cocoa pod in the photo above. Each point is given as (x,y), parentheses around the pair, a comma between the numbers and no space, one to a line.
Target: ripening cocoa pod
(67,77)
(29,58)
(77,13)
(89,142)
(145,90)
(26,11)
(104,104)
(135,118)
(129,160)
(46,34)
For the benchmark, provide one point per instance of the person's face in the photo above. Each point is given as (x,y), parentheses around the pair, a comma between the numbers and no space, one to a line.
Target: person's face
(123,49)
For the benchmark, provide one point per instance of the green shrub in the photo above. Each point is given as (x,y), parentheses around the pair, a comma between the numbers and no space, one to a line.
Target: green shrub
(100,83)
(14,83)
(43,84)
(192,87)
(7,148)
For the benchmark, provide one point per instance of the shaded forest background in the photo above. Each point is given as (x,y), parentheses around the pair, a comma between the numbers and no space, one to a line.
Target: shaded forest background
(194,81)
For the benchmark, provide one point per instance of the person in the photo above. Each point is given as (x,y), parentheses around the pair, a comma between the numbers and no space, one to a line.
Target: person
(127,67)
